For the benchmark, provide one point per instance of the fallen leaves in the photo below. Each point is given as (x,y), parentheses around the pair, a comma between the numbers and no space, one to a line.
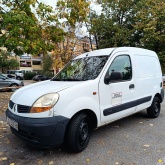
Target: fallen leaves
(3,128)
(160,161)
(4,99)
(1,136)
(51,163)
(101,142)
(40,162)
(3,158)
(110,152)
(146,145)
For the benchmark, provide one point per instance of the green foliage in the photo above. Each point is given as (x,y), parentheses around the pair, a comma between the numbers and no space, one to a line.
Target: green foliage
(7,61)
(13,63)
(27,32)
(150,23)
(74,11)
(29,75)
(114,26)
(33,27)
(47,63)
(138,23)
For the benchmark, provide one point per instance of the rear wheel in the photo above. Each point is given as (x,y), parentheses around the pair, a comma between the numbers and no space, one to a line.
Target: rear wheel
(14,87)
(154,110)
(78,133)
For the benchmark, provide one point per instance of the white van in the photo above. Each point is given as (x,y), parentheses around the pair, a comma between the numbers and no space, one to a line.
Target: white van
(92,90)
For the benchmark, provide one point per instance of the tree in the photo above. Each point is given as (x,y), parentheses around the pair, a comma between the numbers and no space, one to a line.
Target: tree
(7,62)
(114,26)
(138,23)
(150,24)
(47,63)
(31,27)
(73,13)
(34,28)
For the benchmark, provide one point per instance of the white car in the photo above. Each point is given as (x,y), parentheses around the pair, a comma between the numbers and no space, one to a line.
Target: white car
(94,89)
(17,74)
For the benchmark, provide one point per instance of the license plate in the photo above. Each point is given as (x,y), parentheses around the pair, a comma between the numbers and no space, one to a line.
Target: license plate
(12,123)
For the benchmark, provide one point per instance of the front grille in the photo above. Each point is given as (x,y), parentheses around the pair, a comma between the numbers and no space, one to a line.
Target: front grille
(20,108)
(23,108)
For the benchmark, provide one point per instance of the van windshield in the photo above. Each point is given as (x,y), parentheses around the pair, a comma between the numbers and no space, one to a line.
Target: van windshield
(82,69)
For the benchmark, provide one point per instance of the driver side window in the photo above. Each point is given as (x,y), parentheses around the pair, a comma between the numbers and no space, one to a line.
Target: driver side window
(123,65)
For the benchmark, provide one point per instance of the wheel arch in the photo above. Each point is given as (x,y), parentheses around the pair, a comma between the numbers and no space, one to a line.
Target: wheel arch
(92,116)
(13,84)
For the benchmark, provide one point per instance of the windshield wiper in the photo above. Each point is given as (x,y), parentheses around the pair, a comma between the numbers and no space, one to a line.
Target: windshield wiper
(66,79)
(71,79)
(55,79)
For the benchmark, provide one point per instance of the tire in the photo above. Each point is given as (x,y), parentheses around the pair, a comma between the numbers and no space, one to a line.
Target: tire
(14,87)
(78,133)
(154,110)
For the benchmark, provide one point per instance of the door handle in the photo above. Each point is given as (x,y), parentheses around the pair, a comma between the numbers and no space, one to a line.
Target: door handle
(131,86)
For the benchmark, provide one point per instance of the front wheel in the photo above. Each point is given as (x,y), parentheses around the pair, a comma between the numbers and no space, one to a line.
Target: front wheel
(14,87)
(78,133)
(154,110)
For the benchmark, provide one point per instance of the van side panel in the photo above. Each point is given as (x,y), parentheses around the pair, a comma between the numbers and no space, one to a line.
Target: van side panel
(148,75)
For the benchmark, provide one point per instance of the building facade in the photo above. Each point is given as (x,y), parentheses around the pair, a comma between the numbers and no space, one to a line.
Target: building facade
(30,63)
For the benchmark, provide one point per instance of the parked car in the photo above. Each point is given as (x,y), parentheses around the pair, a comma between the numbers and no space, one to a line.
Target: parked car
(7,83)
(40,78)
(17,74)
(163,78)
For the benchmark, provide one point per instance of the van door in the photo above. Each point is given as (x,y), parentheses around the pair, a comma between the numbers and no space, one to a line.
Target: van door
(117,98)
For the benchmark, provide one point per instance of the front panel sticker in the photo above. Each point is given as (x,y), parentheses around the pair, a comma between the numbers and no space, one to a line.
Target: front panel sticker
(116,98)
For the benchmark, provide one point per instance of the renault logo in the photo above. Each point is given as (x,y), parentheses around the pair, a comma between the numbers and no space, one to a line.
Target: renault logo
(15,107)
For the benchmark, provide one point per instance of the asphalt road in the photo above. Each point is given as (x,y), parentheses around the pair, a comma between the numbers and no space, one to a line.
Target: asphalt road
(135,140)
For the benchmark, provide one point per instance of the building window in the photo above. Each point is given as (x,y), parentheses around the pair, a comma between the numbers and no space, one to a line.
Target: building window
(36,62)
(25,64)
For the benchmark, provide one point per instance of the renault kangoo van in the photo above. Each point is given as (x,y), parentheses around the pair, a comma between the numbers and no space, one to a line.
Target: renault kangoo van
(93,89)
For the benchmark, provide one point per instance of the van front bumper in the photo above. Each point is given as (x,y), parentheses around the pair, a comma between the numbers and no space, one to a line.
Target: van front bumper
(40,132)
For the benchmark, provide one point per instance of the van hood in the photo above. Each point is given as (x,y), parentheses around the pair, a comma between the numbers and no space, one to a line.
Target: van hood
(29,94)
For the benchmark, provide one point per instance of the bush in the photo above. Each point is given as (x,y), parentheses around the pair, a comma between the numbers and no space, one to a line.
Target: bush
(29,75)
(47,73)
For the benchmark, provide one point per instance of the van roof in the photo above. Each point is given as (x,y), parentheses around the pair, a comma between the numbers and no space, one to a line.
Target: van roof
(99,52)
(108,51)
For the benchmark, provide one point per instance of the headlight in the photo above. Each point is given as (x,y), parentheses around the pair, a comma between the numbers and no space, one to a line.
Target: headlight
(44,103)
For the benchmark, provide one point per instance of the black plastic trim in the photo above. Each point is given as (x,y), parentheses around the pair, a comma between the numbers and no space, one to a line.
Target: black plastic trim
(125,106)
(40,132)
(162,94)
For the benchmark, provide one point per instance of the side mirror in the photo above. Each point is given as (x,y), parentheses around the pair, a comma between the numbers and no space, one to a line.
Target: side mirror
(115,76)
